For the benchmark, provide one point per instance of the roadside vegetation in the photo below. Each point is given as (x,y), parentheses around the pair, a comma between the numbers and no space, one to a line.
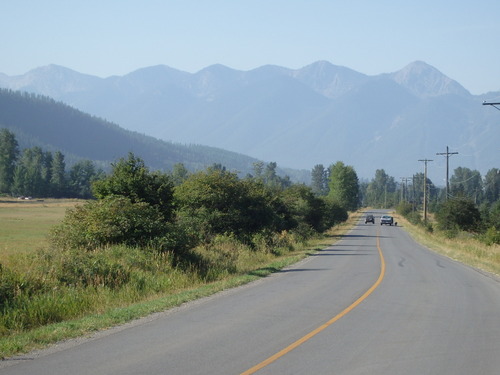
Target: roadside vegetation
(150,241)
(455,231)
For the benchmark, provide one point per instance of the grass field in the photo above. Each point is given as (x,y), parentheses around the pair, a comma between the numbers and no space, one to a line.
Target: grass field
(24,224)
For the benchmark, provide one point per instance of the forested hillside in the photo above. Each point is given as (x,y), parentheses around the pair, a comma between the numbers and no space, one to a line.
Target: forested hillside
(41,121)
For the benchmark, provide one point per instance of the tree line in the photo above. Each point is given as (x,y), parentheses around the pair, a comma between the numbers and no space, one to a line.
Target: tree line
(180,210)
(472,202)
(35,172)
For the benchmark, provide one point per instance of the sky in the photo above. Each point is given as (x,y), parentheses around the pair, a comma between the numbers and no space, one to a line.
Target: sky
(460,38)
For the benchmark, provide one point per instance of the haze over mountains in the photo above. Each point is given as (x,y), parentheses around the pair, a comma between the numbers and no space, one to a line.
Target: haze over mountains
(321,113)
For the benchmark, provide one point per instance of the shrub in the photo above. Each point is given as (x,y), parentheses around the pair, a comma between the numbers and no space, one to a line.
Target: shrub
(112,220)
(132,179)
(460,213)
(404,209)
(491,236)
(216,202)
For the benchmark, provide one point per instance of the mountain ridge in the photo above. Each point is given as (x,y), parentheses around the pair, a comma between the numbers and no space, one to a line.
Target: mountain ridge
(317,114)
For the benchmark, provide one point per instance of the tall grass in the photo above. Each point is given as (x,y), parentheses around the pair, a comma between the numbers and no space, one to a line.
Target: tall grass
(61,294)
(461,246)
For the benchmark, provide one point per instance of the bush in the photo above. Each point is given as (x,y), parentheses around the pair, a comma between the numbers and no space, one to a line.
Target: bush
(404,209)
(458,213)
(130,178)
(491,236)
(112,220)
(216,202)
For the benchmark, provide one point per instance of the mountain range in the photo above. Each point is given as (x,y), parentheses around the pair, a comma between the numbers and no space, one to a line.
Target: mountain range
(318,114)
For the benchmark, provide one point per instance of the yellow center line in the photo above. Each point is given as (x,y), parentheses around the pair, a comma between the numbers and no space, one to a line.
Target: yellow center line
(327,324)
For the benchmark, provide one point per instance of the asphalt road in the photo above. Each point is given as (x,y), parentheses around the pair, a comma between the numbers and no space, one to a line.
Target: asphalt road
(414,312)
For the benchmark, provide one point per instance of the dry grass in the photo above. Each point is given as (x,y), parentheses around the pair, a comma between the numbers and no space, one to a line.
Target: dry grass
(24,225)
(463,248)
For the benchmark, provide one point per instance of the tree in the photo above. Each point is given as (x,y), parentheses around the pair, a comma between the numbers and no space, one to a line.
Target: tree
(58,178)
(466,183)
(319,180)
(417,189)
(258,168)
(216,202)
(30,173)
(381,191)
(344,186)
(459,213)
(9,152)
(312,210)
(132,179)
(492,185)
(179,174)
(81,176)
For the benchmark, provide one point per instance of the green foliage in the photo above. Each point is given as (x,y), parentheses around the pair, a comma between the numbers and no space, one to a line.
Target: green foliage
(491,236)
(13,284)
(466,183)
(381,191)
(319,180)
(85,269)
(132,179)
(40,173)
(492,185)
(179,174)
(9,152)
(458,213)
(81,176)
(494,215)
(344,186)
(404,208)
(111,220)
(217,202)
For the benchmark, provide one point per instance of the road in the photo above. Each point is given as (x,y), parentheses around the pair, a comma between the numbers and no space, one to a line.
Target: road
(414,312)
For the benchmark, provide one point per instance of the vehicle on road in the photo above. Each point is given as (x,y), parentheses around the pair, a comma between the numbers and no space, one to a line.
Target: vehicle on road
(370,219)
(386,219)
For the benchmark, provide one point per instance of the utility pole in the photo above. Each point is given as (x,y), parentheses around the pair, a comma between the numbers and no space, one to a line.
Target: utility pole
(404,191)
(447,154)
(425,188)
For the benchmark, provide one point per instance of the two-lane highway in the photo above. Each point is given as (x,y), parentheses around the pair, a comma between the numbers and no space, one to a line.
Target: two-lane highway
(420,314)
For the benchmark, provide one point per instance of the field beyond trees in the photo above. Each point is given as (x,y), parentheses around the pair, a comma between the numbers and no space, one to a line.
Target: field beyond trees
(26,223)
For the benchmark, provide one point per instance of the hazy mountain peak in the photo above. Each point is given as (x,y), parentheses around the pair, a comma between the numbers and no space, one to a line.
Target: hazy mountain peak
(53,80)
(424,80)
(328,79)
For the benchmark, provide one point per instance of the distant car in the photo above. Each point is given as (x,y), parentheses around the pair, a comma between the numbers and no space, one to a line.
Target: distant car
(369,219)
(386,219)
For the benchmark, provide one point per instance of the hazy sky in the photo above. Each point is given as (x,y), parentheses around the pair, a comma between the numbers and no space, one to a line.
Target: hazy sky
(113,37)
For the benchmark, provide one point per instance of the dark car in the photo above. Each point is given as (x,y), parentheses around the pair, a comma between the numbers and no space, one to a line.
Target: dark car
(386,219)
(369,219)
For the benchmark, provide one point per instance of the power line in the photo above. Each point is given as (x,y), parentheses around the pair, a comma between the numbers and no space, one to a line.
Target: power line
(493,104)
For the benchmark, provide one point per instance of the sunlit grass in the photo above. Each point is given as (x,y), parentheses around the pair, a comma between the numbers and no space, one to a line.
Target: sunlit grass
(464,248)
(24,225)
